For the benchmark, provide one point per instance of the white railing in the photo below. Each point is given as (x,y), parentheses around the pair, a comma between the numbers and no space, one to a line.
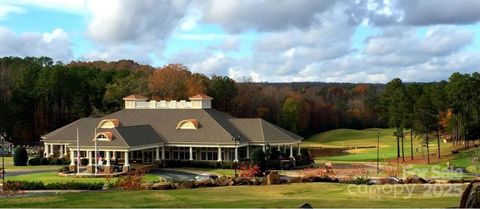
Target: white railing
(163,104)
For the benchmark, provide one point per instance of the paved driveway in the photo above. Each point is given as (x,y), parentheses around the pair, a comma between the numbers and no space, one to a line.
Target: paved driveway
(171,174)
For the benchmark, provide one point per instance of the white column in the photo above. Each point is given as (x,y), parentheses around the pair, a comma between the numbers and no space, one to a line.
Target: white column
(72,157)
(157,153)
(236,155)
(61,151)
(45,150)
(51,150)
(89,154)
(263,147)
(64,150)
(291,151)
(248,151)
(163,152)
(191,153)
(126,159)
(108,158)
(299,153)
(114,155)
(219,157)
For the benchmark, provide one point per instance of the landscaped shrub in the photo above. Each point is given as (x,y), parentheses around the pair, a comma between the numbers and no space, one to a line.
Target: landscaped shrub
(10,188)
(21,157)
(258,158)
(249,170)
(34,161)
(198,164)
(361,180)
(132,180)
(57,161)
(75,186)
(38,185)
(44,161)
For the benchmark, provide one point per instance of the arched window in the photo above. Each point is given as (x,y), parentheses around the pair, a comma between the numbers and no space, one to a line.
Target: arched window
(109,123)
(104,136)
(188,124)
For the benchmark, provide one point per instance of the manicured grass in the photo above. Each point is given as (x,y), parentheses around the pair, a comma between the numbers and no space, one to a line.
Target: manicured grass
(292,195)
(365,142)
(52,177)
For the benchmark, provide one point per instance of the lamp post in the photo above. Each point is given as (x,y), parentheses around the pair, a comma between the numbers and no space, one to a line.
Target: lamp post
(378,152)
(235,162)
(267,156)
(2,137)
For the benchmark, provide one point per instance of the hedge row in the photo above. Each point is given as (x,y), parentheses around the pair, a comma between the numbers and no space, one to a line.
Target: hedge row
(38,185)
(48,161)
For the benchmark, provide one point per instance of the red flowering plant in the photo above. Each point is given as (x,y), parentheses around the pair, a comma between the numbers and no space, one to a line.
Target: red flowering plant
(249,170)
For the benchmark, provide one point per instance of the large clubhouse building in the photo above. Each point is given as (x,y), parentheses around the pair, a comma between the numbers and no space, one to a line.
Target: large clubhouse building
(152,131)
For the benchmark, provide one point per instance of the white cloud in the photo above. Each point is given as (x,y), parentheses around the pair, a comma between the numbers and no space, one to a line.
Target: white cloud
(133,21)
(265,15)
(7,9)
(55,44)
(68,6)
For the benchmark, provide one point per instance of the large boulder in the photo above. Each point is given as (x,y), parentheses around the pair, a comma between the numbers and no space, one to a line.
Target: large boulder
(205,183)
(223,181)
(415,180)
(256,181)
(388,180)
(272,178)
(187,185)
(146,185)
(294,179)
(305,205)
(471,196)
(162,186)
(242,180)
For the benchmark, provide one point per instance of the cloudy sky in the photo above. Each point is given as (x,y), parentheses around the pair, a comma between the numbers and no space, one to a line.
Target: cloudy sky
(265,40)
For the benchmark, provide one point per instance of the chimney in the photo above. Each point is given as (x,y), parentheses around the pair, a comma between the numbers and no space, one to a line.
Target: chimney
(201,101)
(131,100)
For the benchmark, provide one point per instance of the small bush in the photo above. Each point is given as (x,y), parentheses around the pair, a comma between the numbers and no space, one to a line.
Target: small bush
(44,161)
(38,185)
(250,170)
(74,186)
(21,157)
(57,161)
(361,180)
(10,188)
(132,180)
(258,158)
(34,161)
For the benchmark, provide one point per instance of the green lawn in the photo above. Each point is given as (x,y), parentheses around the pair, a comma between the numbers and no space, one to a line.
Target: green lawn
(52,177)
(284,196)
(348,138)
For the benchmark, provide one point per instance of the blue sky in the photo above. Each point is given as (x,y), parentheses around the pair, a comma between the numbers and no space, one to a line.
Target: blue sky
(268,40)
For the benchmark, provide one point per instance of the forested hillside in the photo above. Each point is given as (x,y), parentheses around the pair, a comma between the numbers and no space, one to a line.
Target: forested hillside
(38,95)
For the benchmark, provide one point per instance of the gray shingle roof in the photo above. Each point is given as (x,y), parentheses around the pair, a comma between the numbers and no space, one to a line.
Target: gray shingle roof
(155,126)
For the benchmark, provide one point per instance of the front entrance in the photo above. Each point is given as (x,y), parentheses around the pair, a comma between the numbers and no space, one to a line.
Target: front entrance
(148,156)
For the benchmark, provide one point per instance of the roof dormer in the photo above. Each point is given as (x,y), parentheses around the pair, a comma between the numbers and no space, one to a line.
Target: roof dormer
(188,124)
(201,101)
(104,136)
(109,123)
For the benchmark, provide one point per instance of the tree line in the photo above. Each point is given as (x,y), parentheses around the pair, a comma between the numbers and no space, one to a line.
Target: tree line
(38,95)
(432,111)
